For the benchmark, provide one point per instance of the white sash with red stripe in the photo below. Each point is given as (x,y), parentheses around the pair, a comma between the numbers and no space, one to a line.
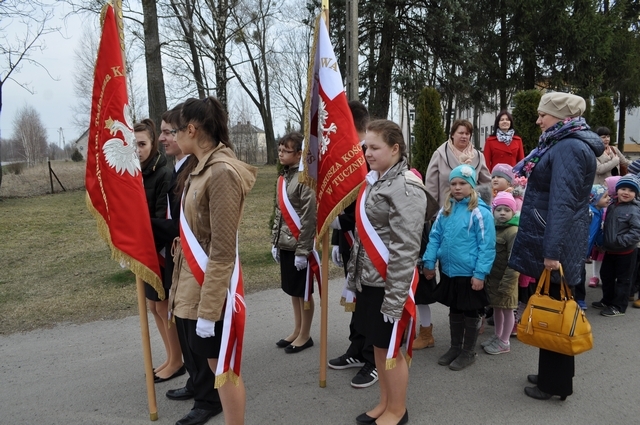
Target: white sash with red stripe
(292,219)
(234,313)
(378,253)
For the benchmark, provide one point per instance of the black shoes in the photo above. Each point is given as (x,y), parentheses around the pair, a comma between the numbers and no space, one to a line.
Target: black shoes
(179,372)
(533,379)
(198,416)
(283,343)
(365,419)
(538,394)
(290,349)
(179,394)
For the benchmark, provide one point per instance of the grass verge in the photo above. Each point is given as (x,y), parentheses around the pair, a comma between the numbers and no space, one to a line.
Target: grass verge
(56,268)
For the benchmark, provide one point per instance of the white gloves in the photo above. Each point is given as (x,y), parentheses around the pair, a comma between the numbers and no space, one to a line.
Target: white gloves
(387,319)
(335,224)
(300,262)
(335,256)
(275,253)
(205,328)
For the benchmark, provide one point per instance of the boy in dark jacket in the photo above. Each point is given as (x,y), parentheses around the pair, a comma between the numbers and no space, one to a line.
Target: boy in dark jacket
(621,234)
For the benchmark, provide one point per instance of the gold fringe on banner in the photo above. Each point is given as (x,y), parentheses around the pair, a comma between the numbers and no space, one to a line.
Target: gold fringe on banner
(408,358)
(139,269)
(349,307)
(304,177)
(340,206)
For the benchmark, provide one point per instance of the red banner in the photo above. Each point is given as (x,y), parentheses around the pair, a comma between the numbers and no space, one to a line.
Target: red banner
(115,194)
(332,162)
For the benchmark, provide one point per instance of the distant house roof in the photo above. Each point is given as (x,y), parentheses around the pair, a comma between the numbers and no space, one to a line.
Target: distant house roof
(245,128)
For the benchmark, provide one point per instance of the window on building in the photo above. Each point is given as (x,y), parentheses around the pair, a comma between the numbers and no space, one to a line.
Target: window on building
(412,116)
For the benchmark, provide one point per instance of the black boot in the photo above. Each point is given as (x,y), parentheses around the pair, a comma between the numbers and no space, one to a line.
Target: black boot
(456,326)
(468,354)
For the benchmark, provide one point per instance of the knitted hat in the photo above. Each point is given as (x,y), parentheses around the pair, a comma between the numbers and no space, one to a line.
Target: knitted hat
(562,105)
(611,185)
(503,170)
(629,181)
(506,199)
(597,192)
(465,172)
(634,167)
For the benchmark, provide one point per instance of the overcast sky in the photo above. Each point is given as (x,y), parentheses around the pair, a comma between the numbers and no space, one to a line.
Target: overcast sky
(52,98)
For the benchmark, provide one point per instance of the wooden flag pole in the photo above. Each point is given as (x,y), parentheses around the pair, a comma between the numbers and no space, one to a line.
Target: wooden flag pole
(142,304)
(146,350)
(324,296)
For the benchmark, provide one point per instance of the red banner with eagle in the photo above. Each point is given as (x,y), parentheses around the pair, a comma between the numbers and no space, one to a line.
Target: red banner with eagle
(332,161)
(115,194)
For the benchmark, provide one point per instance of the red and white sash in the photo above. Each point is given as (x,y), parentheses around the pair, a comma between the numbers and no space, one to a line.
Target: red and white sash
(234,312)
(292,219)
(378,253)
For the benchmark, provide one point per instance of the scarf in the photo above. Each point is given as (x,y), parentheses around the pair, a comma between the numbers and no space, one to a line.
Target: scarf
(505,137)
(547,139)
(465,156)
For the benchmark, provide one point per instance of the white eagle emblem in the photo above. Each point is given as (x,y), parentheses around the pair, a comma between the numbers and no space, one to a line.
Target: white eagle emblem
(121,153)
(323,115)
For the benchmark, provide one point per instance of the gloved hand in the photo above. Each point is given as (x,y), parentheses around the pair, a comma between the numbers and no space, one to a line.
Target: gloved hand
(300,262)
(335,256)
(387,319)
(335,224)
(275,252)
(205,328)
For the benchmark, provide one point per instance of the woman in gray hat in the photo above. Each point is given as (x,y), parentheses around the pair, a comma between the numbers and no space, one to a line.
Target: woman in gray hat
(554,224)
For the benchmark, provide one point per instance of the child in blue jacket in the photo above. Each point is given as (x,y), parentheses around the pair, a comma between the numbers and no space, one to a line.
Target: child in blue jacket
(463,239)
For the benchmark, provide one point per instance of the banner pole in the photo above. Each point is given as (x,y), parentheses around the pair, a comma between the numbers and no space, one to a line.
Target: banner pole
(324,307)
(146,350)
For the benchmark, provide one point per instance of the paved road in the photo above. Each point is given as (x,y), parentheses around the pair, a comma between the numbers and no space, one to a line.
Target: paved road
(93,374)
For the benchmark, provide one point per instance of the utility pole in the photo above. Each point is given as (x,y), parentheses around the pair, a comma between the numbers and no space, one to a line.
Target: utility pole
(352,50)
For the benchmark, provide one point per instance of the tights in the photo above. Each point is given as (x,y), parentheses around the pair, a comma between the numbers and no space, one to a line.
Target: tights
(503,319)
(424,311)
(596,268)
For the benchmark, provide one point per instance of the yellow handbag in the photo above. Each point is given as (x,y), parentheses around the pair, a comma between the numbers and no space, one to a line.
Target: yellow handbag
(555,325)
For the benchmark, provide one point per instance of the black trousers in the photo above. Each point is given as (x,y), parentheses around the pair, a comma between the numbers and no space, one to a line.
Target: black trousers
(616,279)
(357,349)
(555,370)
(201,378)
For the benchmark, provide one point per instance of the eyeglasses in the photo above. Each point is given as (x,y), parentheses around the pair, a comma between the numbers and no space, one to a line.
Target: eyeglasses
(172,132)
(281,150)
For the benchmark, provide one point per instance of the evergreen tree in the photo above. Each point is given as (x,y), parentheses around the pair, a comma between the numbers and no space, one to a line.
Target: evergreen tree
(428,131)
(525,115)
(603,116)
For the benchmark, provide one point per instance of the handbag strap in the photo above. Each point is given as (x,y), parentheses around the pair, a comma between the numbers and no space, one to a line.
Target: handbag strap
(545,281)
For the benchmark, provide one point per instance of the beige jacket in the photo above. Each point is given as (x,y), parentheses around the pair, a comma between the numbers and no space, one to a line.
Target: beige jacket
(396,205)
(213,204)
(607,162)
(442,162)
(303,200)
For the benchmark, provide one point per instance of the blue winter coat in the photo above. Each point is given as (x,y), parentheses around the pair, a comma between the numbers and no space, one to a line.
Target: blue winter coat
(554,221)
(595,229)
(464,241)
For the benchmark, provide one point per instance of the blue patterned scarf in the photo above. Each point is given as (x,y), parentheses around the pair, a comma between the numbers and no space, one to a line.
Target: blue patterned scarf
(547,139)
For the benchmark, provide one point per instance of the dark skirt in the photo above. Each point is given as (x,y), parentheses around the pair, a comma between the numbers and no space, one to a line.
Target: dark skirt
(368,320)
(292,281)
(424,292)
(456,292)
(151,293)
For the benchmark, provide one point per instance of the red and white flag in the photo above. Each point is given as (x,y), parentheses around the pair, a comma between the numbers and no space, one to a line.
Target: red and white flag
(115,194)
(332,160)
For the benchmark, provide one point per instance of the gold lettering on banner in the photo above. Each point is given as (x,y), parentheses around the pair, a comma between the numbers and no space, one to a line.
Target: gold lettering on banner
(327,178)
(116,71)
(333,179)
(352,152)
(329,63)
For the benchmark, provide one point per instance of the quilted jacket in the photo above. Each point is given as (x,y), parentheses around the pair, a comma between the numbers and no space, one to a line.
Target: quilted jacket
(396,205)
(622,226)
(554,221)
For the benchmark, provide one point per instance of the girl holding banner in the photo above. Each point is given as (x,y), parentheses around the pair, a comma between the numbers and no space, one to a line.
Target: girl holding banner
(292,236)
(207,281)
(390,213)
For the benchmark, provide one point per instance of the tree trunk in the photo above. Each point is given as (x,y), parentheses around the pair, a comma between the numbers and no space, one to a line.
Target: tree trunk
(504,47)
(186,23)
(153,59)
(380,106)
(447,127)
(622,121)
(220,61)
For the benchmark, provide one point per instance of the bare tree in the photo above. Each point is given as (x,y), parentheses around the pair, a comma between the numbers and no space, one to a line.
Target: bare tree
(16,47)
(29,131)
(153,59)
